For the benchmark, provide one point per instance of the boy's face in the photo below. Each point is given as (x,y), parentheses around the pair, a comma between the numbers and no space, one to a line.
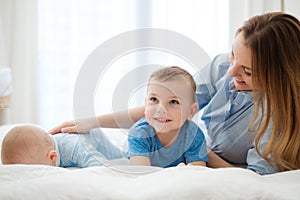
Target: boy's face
(169,104)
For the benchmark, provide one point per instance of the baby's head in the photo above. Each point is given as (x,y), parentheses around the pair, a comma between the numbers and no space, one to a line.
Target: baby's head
(28,145)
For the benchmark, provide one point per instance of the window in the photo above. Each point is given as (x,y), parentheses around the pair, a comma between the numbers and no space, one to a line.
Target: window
(69,31)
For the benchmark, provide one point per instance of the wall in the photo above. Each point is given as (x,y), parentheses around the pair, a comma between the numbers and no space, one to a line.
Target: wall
(5,27)
(293,7)
(241,10)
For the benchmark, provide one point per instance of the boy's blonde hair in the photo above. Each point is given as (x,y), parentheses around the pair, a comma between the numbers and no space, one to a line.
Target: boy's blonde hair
(172,72)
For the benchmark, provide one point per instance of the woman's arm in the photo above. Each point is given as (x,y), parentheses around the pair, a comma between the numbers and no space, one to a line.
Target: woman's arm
(214,161)
(122,119)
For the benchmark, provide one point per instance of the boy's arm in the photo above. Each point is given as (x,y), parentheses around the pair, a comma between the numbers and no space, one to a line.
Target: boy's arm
(200,163)
(140,160)
(196,153)
(122,119)
(138,147)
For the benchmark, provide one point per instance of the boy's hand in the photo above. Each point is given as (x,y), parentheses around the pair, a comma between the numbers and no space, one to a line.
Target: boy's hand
(66,127)
(181,164)
(79,126)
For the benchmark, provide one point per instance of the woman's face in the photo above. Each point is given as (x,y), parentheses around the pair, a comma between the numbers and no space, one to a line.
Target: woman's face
(241,69)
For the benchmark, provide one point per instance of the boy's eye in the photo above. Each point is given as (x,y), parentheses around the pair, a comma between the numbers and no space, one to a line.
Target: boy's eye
(174,102)
(153,99)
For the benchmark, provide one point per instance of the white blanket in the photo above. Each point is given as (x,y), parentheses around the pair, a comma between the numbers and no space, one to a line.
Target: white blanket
(46,182)
(133,182)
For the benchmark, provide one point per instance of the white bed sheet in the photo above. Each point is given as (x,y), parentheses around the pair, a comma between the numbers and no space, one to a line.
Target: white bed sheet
(46,182)
(129,182)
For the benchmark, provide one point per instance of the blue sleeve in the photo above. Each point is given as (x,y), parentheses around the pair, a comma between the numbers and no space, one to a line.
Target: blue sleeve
(86,155)
(66,143)
(138,145)
(257,164)
(255,161)
(77,150)
(207,78)
(197,150)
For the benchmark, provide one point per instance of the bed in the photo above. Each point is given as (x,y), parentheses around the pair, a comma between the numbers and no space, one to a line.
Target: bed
(141,182)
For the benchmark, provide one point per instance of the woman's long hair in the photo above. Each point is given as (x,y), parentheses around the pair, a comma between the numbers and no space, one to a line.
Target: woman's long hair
(274,41)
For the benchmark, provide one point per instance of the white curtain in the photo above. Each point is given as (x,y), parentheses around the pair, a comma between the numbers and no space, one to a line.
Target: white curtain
(20,35)
(241,10)
(68,33)
(46,42)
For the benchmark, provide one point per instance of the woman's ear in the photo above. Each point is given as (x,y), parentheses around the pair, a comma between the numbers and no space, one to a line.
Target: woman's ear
(52,155)
(193,111)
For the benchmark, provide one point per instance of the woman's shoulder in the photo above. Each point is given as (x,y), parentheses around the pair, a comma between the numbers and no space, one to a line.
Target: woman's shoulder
(222,58)
(222,62)
(214,70)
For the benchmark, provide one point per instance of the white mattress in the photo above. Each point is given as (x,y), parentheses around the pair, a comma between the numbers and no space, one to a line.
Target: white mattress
(46,182)
(133,182)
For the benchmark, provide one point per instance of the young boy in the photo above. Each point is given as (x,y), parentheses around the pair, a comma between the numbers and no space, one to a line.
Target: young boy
(166,136)
(32,145)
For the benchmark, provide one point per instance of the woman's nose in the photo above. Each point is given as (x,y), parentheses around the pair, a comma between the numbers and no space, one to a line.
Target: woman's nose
(234,70)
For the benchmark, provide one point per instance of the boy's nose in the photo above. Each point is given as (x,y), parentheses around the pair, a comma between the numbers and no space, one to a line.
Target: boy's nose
(161,108)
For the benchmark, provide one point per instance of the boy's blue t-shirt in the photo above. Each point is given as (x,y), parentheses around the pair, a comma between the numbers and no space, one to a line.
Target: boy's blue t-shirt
(190,145)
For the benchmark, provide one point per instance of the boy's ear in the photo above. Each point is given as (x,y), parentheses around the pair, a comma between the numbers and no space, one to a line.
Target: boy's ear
(145,101)
(193,111)
(52,155)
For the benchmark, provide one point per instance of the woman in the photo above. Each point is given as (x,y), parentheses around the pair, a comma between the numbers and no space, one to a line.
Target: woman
(250,103)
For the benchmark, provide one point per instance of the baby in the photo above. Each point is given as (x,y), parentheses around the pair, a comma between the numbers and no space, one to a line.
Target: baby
(32,145)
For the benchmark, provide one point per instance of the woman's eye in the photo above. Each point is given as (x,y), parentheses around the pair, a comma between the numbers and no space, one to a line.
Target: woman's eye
(174,102)
(247,71)
(248,74)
